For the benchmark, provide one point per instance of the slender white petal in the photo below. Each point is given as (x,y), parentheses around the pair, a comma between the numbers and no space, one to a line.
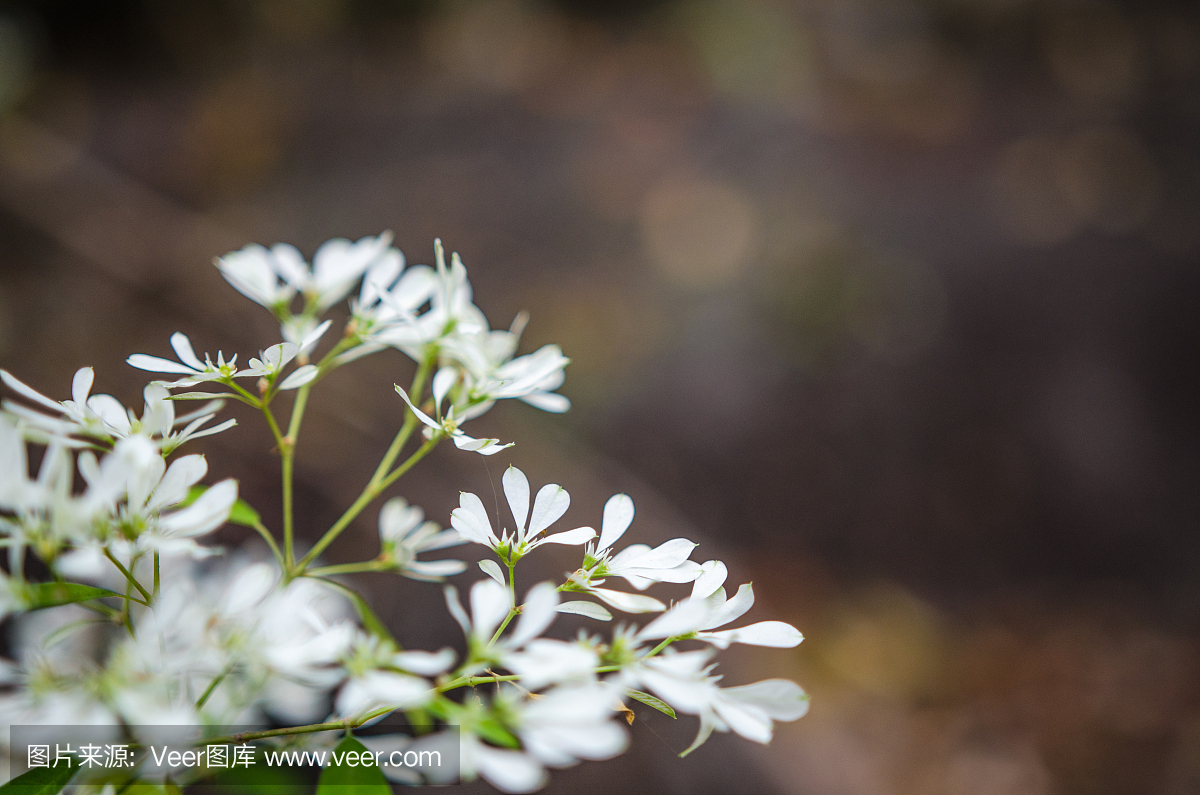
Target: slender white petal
(155,364)
(588,609)
(576,537)
(299,377)
(516,490)
(537,614)
(618,515)
(489,605)
(775,634)
(628,602)
(492,569)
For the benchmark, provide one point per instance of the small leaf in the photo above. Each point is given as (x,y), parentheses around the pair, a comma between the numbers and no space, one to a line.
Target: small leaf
(200,396)
(493,731)
(241,513)
(352,779)
(589,609)
(40,781)
(52,594)
(651,701)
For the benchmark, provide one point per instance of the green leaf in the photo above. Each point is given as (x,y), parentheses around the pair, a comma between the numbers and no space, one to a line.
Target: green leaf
(40,781)
(493,730)
(200,396)
(651,701)
(52,594)
(241,514)
(351,778)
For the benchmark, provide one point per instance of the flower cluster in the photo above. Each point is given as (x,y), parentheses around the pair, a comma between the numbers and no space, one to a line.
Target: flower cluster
(152,626)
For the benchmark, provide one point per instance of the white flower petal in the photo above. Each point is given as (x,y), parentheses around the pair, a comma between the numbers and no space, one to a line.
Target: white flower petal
(492,569)
(618,515)
(734,609)
(516,490)
(205,514)
(775,634)
(712,576)
(425,663)
(537,613)
(471,521)
(489,605)
(628,602)
(81,385)
(155,364)
(580,535)
(433,570)
(299,377)
(183,349)
(550,504)
(588,609)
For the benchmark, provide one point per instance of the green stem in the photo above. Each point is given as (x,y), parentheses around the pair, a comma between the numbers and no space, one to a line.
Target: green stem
(471,681)
(410,421)
(266,535)
(334,725)
(349,568)
(213,686)
(266,410)
(287,449)
(247,397)
(156,588)
(129,577)
(369,493)
(659,648)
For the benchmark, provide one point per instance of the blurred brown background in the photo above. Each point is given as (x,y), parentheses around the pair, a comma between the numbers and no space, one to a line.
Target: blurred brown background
(893,303)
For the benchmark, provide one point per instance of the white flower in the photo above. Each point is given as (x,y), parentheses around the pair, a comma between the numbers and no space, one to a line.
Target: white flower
(490,604)
(403,535)
(696,616)
(103,417)
(557,729)
(374,682)
(451,311)
(571,723)
(638,564)
(448,426)
(272,277)
(683,681)
(544,662)
(471,521)
(273,360)
(490,373)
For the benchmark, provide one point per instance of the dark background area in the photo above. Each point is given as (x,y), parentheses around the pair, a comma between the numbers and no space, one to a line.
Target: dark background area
(891,303)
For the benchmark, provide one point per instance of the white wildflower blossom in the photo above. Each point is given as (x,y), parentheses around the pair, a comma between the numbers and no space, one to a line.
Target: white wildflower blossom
(471,521)
(103,418)
(403,535)
(683,680)
(638,564)
(697,616)
(448,426)
(271,363)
